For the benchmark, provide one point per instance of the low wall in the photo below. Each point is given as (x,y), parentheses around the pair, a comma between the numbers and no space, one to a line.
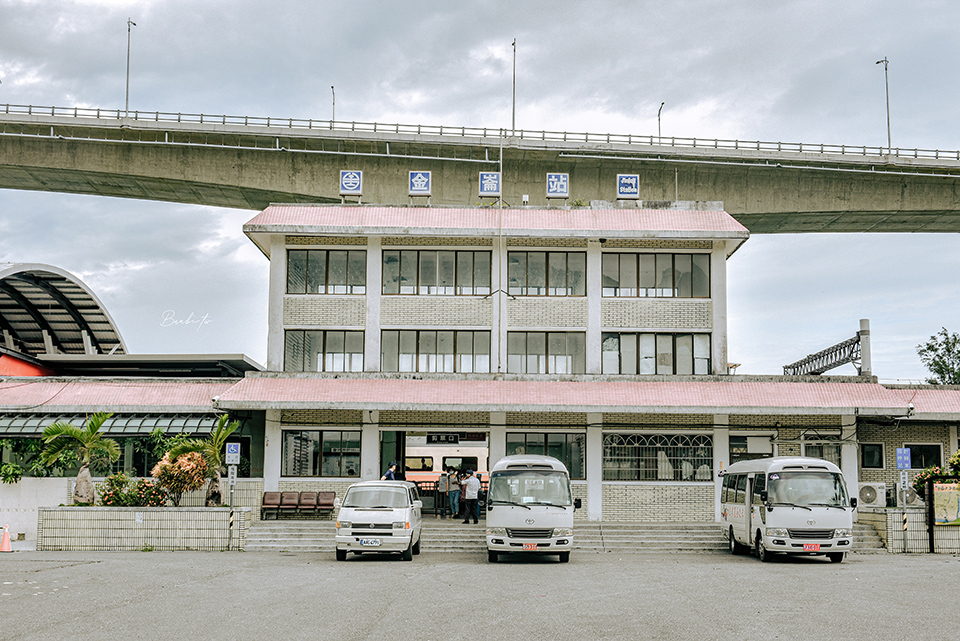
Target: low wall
(655,503)
(19,502)
(141,528)
(889,524)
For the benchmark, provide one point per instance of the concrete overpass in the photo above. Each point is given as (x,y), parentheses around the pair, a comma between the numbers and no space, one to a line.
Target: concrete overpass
(245,162)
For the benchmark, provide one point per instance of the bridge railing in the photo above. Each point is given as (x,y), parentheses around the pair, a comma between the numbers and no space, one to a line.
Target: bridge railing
(481,132)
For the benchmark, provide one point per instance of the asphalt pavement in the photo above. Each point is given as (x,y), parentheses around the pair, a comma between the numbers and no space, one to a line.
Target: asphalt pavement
(239,595)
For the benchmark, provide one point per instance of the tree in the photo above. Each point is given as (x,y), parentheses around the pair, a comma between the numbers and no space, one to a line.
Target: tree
(87,444)
(212,450)
(941,356)
(187,472)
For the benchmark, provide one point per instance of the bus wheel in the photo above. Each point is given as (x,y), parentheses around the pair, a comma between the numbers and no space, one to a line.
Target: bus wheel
(341,555)
(762,553)
(564,557)
(492,556)
(735,548)
(836,557)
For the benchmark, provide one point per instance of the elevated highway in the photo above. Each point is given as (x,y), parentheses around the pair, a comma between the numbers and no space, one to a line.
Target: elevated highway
(245,162)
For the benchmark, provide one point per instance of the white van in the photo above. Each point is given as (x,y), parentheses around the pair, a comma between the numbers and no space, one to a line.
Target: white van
(529,507)
(792,505)
(379,517)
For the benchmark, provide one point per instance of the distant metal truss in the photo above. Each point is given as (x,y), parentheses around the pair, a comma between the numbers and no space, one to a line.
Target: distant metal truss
(840,354)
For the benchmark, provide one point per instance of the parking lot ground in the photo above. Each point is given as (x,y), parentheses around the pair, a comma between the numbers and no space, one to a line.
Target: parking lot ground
(230,595)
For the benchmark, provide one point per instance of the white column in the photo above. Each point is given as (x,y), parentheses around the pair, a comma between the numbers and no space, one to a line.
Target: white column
(866,360)
(498,437)
(718,295)
(370,446)
(594,466)
(721,456)
(278,287)
(594,286)
(371,334)
(849,454)
(498,323)
(272,452)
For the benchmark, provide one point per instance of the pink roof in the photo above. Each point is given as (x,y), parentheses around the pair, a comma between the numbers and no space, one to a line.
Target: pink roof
(931,400)
(582,223)
(115,395)
(257,392)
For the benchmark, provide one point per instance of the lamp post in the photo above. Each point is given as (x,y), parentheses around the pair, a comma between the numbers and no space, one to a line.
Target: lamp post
(513,120)
(126,107)
(886,82)
(333,116)
(658,121)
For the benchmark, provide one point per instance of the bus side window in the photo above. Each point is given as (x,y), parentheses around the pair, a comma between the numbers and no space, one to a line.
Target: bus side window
(741,488)
(759,485)
(726,496)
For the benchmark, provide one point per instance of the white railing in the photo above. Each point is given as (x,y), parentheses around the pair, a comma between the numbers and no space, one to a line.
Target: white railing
(480,132)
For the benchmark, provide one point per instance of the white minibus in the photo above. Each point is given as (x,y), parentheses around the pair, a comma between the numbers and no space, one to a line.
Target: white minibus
(529,507)
(792,505)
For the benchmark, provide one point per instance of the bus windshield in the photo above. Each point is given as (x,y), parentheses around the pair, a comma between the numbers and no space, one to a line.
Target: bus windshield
(530,487)
(807,488)
(376,497)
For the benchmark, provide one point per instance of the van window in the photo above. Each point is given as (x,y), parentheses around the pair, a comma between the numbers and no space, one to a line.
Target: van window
(741,496)
(727,495)
(759,485)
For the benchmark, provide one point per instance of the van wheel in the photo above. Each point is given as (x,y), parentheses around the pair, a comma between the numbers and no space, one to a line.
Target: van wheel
(564,557)
(836,557)
(735,548)
(416,547)
(761,550)
(341,555)
(408,553)
(492,556)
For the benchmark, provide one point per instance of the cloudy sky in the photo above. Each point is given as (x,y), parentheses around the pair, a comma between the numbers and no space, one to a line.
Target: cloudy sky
(751,69)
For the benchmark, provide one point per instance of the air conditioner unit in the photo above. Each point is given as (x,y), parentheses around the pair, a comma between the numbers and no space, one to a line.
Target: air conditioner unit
(909,498)
(873,495)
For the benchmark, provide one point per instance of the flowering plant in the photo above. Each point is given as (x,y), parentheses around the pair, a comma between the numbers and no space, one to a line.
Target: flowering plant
(182,474)
(954,462)
(118,490)
(920,480)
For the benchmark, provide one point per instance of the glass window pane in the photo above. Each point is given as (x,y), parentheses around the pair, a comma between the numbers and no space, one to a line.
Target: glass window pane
(299,449)
(628,353)
(391,272)
(465,273)
(390,351)
(556,446)
(445,351)
(535,443)
(664,353)
(313,351)
(701,353)
(557,274)
(464,352)
(558,361)
(577,273)
(481,273)
(515,443)
(408,272)
(428,352)
(332,448)
(517,273)
(317,272)
(334,361)
(296,271)
(516,353)
(408,351)
(610,356)
(357,272)
(577,348)
(293,351)
(665,275)
(446,272)
(536,353)
(610,274)
(628,274)
(351,453)
(648,353)
(428,272)
(575,455)
(871,455)
(537,273)
(701,275)
(684,278)
(648,275)
(481,351)
(684,354)
(337,269)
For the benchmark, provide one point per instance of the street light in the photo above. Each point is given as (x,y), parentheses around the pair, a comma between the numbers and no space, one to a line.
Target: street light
(333,116)
(126,108)
(513,121)
(886,82)
(658,121)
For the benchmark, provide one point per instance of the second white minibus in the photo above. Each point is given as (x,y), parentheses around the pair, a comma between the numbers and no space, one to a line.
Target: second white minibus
(791,505)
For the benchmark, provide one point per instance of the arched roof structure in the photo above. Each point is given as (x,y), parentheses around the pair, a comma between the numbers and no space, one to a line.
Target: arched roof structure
(46,310)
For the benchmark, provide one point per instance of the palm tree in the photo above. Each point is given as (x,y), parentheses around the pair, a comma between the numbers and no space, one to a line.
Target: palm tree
(212,450)
(87,444)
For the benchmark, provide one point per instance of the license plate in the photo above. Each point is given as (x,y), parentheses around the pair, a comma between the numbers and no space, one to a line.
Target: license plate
(370,542)
(811,547)
(530,546)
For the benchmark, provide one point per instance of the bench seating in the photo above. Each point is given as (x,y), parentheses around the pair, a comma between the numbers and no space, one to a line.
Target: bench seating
(271,501)
(308,503)
(289,503)
(325,501)
(295,503)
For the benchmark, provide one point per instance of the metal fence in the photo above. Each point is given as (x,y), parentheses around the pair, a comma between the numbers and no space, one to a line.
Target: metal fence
(533,135)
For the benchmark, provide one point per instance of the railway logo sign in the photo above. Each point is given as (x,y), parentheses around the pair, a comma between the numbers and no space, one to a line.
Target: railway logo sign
(351,182)
(420,183)
(558,185)
(628,186)
(490,186)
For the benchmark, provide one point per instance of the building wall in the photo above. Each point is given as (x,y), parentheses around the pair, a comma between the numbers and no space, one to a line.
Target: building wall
(894,436)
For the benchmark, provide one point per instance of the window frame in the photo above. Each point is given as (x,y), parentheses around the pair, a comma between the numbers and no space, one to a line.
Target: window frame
(646,447)
(939,461)
(353,285)
(422,357)
(571,287)
(641,266)
(577,472)
(883,456)
(317,458)
(658,362)
(325,333)
(548,358)
(435,281)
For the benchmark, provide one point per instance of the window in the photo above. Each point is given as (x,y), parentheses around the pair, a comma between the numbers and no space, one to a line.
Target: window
(759,485)
(322,351)
(658,457)
(871,456)
(436,272)
(645,354)
(435,351)
(748,448)
(546,353)
(321,453)
(567,448)
(822,448)
(546,273)
(326,271)
(627,275)
(924,455)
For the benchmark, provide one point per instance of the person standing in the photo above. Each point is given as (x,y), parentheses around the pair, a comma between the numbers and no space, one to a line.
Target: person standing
(390,475)
(454,492)
(443,488)
(471,490)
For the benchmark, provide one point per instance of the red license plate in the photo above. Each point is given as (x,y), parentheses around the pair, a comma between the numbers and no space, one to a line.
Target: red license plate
(533,546)
(811,547)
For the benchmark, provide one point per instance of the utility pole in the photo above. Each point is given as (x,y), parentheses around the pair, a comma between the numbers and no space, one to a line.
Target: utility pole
(126,106)
(513,121)
(886,82)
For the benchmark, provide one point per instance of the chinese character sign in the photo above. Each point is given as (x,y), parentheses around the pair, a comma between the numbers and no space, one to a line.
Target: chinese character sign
(489,184)
(903,458)
(421,183)
(628,186)
(558,185)
(351,182)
